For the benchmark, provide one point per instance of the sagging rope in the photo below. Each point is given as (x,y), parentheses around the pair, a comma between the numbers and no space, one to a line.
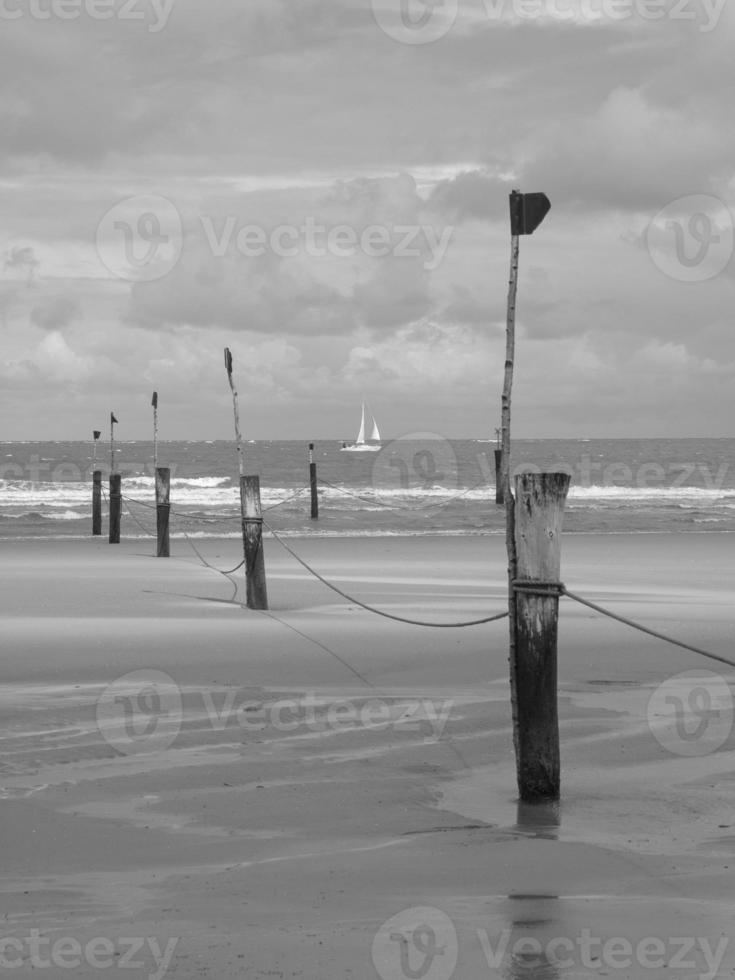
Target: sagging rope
(372,609)
(396,505)
(559,589)
(645,629)
(204,561)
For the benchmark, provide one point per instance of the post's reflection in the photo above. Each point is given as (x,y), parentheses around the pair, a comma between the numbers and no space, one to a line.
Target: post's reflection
(539,819)
(533,920)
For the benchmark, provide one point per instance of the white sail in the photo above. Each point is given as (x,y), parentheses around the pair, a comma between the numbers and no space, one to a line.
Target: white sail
(361,434)
(376,431)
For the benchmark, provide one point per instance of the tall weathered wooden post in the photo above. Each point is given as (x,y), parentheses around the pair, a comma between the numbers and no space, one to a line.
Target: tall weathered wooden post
(539,509)
(527,211)
(97,503)
(313,484)
(96,488)
(115,488)
(115,507)
(251,514)
(163,511)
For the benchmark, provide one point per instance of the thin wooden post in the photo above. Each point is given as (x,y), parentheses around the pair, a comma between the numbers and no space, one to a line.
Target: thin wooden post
(163,510)
(236,411)
(498,476)
(313,484)
(510,542)
(539,509)
(252,540)
(154,403)
(115,507)
(97,502)
(250,512)
(113,423)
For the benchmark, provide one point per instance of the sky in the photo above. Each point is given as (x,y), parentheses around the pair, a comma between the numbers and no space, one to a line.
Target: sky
(322,186)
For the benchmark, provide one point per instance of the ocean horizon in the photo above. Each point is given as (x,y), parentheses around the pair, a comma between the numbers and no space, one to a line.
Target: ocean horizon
(414,485)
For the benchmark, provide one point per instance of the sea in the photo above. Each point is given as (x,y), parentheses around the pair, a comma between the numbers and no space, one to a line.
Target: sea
(414,485)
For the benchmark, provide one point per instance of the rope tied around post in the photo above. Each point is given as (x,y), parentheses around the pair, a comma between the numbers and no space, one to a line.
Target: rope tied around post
(539,588)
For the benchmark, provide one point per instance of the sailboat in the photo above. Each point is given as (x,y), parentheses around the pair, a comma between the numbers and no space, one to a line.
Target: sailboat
(362,445)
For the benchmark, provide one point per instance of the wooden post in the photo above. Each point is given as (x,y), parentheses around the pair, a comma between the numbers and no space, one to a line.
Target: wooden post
(154,403)
(115,507)
(163,510)
(251,514)
(113,423)
(510,542)
(313,484)
(498,476)
(97,502)
(252,540)
(539,507)
(236,410)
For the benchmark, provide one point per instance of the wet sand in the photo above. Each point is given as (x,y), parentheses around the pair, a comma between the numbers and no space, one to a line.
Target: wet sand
(246,794)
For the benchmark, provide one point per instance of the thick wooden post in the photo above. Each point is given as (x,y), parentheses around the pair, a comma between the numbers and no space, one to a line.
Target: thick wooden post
(252,540)
(97,502)
(313,484)
(539,509)
(115,507)
(163,510)
(499,476)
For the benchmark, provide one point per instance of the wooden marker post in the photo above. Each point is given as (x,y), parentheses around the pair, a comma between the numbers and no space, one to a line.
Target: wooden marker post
(252,541)
(498,469)
(163,510)
(154,403)
(97,503)
(313,484)
(115,507)
(250,512)
(539,507)
(527,211)
(115,488)
(96,488)
(113,423)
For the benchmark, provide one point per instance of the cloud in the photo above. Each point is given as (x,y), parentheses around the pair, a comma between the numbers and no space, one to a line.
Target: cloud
(55,312)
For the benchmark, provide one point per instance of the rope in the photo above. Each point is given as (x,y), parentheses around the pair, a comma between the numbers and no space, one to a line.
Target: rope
(357,496)
(538,588)
(141,503)
(204,561)
(286,500)
(129,512)
(363,605)
(645,629)
(395,505)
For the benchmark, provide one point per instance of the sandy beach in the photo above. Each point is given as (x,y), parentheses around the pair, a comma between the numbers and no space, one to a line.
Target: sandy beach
(191,788)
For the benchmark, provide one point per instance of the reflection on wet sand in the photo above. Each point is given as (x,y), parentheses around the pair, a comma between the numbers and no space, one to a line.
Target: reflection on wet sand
(539,819)
(532,921)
